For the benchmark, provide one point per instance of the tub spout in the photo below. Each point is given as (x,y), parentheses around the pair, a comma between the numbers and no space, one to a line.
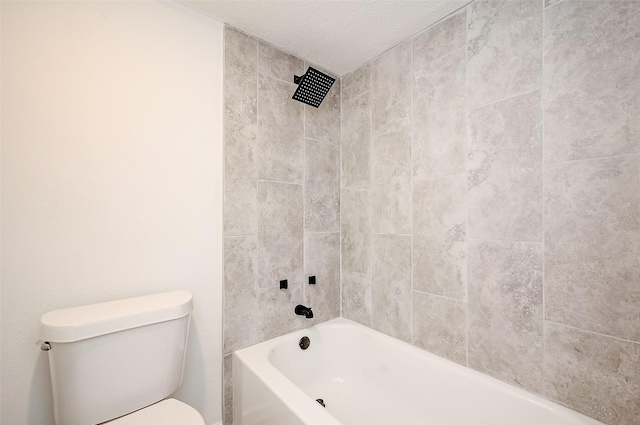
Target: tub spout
(304,311)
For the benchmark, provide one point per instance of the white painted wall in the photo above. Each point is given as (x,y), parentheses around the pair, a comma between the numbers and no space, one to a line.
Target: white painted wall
(111,178)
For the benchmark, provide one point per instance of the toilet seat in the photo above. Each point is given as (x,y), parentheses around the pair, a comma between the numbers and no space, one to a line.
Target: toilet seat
(166,412)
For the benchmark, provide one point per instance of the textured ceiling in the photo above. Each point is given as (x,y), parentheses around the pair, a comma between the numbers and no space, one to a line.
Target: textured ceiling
(338,35)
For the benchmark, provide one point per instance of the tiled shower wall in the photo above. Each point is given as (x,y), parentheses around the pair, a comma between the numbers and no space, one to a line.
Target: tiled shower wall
(490,197)
(282,199)
(490,201)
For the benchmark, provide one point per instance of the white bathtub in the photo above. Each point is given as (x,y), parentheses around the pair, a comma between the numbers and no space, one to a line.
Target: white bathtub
(368,378)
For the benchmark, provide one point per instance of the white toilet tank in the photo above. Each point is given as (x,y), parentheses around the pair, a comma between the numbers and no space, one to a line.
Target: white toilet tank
(112,358)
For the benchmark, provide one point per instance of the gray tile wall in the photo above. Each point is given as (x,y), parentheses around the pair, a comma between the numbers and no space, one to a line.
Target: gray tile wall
(282,199)
(474,191)
(491,197)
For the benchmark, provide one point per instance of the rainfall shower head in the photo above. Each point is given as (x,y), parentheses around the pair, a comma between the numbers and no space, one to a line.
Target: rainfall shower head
(312,87)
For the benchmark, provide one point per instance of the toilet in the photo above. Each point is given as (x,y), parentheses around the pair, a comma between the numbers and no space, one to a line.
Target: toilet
(118,361)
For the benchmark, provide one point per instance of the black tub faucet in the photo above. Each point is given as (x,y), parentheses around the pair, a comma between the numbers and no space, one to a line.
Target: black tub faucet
(304,311)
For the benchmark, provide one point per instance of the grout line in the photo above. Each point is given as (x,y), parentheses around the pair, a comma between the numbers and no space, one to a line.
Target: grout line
(281,182)
(506,98)
(354,96)
(324,142)
(451,52)
(592,158)
(421,179)
(542,171)
(397,130)
(466,195)
(305,297)
(276,284)
(391,234)
(439,296)
(617,338)
(550,6)
(358,187)
(264,74)
(503,240)
(340,283)
(328,232)
(370,165)
(224,200)
(244,235)
(411,131)
(256,258)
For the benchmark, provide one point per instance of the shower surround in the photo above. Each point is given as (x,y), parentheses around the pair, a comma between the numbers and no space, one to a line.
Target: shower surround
(489,197)
(282,194)
(496,221)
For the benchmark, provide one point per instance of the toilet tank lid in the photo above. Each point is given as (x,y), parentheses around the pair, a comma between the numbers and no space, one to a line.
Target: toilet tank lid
(88,321)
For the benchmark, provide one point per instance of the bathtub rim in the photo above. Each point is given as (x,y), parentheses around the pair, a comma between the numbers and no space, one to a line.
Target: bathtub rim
(257,359)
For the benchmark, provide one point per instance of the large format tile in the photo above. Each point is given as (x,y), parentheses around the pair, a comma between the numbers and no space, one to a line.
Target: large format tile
(439,117)
(503,45)
(355,208)
(322,187)
(391,183)
(280,234)
(356,141)
(240,205)
(276,311)
(240,178)
(440,326)
(595,374)
(356,299)
(227,391)
(592,69)
(239,292)
(439,236)
(322,260)
(278,64)
(240,146)
(439,39)
(240,74)
(391,286)
(323,123)
(505,311)
(505,170)
(280,130)
(391,89)
(592,245)
(356,82)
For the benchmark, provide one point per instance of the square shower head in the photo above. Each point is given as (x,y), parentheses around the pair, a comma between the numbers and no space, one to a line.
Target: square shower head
(312,87)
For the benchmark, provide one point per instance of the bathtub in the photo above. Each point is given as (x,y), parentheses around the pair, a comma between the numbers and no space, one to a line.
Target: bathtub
(367,378)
